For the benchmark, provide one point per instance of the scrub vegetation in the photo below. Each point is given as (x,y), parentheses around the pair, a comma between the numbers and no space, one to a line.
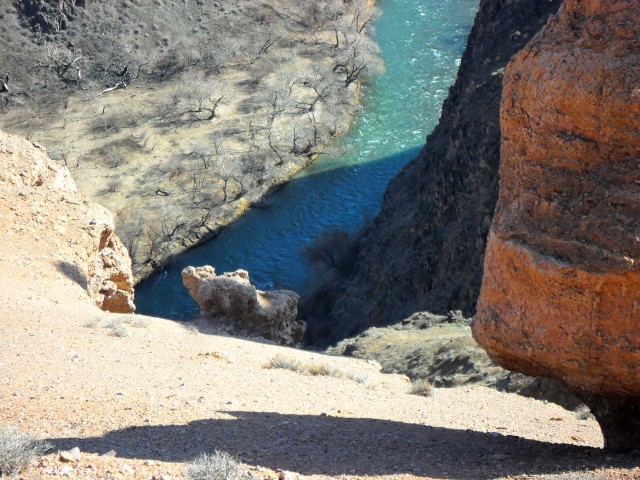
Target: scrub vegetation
(180,115)
(18,450)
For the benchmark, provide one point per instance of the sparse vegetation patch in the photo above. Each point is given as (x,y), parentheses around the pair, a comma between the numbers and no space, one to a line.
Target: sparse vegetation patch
(421,387)
(284,362)
(179,117)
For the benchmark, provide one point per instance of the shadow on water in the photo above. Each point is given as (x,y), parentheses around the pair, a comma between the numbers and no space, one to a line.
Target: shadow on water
(268,242)
(327,445)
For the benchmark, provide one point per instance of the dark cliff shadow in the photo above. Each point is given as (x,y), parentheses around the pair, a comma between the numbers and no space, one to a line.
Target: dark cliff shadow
(72,272)
(326,445)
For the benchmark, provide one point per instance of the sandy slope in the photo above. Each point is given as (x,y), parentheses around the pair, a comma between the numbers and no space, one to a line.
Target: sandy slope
(162,394)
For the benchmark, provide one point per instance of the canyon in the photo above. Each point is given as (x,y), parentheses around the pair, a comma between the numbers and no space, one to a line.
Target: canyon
(425,249)
(558,294)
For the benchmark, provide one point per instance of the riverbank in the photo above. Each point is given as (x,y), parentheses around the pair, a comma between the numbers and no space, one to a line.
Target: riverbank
(197,136)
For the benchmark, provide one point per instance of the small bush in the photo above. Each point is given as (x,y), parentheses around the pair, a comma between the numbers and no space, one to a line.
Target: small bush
(18,450)
(322,370)
(584,413)
(117,328)
(312,368)
(358,377)
(219,466)
(192,329)
(137,321)
(287,363)
(421,387)
(91,323)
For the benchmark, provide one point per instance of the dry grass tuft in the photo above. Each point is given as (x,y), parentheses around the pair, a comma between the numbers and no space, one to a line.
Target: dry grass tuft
(137,321)
(322,370)
(117,328)
(284,362)
(316,369)
(421,387)
(219,466)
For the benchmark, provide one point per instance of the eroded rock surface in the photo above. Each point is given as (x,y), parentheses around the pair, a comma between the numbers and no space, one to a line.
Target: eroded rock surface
(40,199)
(561,289)
(232,301)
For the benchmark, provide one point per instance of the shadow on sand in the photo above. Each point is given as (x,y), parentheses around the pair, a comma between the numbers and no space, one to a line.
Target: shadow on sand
(72,272)
(327,445)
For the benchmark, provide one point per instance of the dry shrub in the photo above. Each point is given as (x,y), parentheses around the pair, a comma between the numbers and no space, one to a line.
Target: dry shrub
(18,450)
(219,466)
(421,387)
(284,362)
(319,369)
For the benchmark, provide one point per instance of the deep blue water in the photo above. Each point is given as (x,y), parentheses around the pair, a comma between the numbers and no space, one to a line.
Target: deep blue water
(421,42)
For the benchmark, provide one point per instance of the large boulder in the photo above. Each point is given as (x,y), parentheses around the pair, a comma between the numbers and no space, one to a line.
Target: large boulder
(232,301)
(561,289)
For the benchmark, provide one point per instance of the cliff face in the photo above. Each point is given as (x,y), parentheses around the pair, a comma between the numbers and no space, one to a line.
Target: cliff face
(43,215)
(424,251)
(561,287)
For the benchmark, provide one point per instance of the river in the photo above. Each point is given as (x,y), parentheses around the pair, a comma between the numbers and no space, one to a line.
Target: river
(421,43)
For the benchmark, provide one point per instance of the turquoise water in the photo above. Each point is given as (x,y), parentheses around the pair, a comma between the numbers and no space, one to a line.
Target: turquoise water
(421,42)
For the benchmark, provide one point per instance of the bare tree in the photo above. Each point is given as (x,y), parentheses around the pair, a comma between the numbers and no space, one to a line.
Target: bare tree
(360,54)
(320,82)
(202,94)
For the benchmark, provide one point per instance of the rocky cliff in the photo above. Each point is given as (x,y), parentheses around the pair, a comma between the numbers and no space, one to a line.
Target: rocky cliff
(43,215)
(425,249)
(561,286)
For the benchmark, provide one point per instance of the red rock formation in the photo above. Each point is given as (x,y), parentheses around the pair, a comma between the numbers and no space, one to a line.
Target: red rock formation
(561,289)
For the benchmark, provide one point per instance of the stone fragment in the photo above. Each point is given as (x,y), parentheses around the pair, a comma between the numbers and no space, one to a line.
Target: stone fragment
(74,455)
(561,289)
(231,301)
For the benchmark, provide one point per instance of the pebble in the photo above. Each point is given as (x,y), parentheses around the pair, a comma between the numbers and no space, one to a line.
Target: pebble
(72,455)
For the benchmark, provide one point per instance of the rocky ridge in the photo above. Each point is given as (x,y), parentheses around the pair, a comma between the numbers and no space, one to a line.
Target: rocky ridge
(41,200)
(424,251)
(441,349)
(562,275)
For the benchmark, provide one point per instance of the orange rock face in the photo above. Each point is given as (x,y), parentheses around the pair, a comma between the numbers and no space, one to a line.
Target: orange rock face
(561,288)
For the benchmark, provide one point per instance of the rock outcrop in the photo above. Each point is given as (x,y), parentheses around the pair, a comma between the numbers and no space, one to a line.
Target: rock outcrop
(40,200)
(48,16)
(424,251)
(561,289)
(440,348)
(231,301)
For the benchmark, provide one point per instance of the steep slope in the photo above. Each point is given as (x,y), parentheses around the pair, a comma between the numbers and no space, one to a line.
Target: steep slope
(178,116)
(424,251)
